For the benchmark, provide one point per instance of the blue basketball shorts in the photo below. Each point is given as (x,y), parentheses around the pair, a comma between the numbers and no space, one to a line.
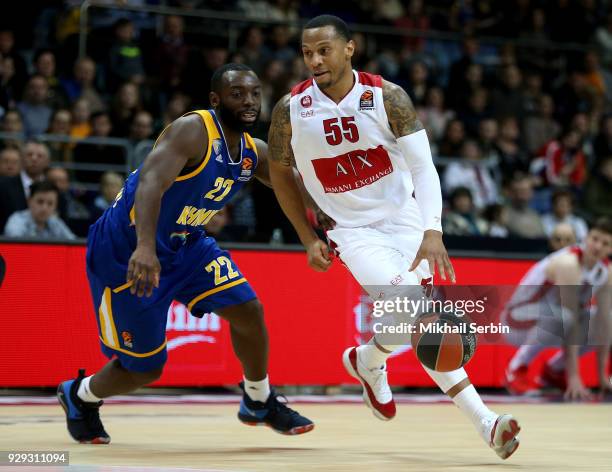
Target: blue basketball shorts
(134,328)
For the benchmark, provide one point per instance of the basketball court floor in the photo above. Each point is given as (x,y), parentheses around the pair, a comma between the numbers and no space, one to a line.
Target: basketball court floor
(202,433)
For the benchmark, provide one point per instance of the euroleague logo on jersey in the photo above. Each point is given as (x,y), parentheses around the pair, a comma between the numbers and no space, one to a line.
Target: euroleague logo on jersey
(246,169)
(366,101)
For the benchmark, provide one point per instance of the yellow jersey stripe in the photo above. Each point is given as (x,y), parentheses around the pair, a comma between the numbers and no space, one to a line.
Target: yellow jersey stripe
(250,143)
(109,307)
(211,130)
(136,354)
(214,290)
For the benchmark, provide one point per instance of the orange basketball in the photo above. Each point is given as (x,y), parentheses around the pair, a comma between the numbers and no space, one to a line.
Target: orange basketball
(443,342)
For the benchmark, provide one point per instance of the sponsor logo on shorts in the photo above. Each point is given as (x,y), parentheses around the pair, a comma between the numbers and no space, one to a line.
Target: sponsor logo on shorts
(398,279)
(366,101)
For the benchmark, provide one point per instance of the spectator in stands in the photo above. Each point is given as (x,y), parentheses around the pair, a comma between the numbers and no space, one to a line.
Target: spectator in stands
(583,123)
(562,236)
(477,109)
(434,115)
(462,219)
(532,93)
(522,220)
(110,186)
(14,191)
(597,199)
(418,82)
(10,162)
(487,137)
(279,46)
(573,96)
(82,85)
(7,49)
(603,39)
(602,144)
(273,87)
(414,18)
(61,123)
(125,57)
(142,127)
(512,157)
(44,65)
(105,154)
(507,99)
(126,103)
(563,212)
(81,119)
(452,141)
(39,219)
(472,173)
(70,209)
(252,47)
(473,81)
(594,76)
(10,89)
(171,54)
(34,109)
(12,123)
(561,162)
(541,127)
(496,216)
(176,107)
(202,63)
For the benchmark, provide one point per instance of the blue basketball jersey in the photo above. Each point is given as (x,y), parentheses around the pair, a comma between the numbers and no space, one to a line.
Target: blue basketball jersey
(190,202)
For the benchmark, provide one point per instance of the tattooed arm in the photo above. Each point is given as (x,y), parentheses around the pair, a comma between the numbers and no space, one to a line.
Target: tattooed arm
(413,142)
(281,160)
(400,110)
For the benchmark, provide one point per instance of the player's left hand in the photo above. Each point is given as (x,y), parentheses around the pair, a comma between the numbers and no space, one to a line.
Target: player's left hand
(433,251)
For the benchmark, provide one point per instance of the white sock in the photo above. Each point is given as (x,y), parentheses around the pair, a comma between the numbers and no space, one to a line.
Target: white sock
(85,393)
(468,400)
(259,390)
(472,406)
(371,356)
(525,355)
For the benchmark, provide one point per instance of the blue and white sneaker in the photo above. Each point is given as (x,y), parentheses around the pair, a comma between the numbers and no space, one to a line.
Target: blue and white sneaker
(82,418)
(273,413)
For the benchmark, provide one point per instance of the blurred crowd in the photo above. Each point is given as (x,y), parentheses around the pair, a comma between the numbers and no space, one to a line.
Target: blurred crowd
(521,130)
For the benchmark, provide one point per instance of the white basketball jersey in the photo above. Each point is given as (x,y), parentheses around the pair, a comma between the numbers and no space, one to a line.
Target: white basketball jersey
(347,154)
(535,286)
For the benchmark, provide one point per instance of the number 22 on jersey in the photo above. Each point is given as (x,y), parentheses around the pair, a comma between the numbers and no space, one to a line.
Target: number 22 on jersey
(221,185)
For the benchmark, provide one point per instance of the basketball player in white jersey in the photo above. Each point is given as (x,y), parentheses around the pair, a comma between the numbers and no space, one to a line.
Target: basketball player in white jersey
(553,303)
(357,143)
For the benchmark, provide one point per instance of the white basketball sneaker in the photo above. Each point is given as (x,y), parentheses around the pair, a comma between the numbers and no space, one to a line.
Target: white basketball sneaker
(501,433)
(376,392)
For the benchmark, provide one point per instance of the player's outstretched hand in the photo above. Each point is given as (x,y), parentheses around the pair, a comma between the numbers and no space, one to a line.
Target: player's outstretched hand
(318,256)
(433,251)
(576,391)
(143,271)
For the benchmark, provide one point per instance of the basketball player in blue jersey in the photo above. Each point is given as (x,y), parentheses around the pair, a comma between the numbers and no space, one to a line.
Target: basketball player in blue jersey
(154,233)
